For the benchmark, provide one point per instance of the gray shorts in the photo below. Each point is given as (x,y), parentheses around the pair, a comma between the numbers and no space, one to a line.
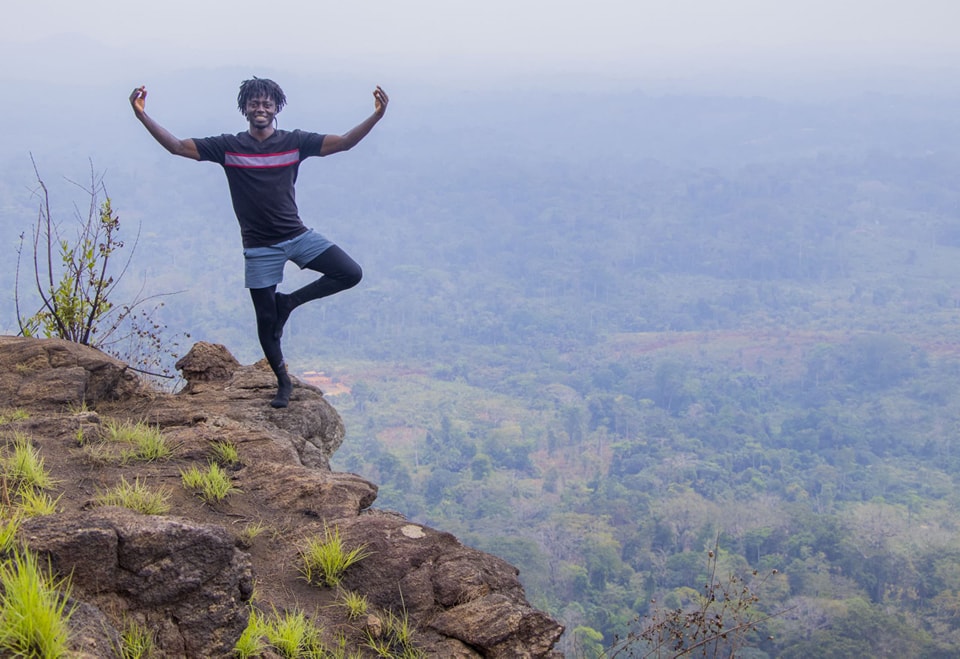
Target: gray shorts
(263,266)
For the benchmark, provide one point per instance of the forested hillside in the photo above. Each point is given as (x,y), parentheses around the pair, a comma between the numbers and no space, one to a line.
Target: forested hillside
(597,332)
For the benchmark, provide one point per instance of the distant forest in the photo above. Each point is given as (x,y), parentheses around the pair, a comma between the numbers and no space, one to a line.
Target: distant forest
(601,334)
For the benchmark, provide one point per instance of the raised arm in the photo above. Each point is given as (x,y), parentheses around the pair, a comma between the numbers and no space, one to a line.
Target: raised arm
(186,148)
(337,143)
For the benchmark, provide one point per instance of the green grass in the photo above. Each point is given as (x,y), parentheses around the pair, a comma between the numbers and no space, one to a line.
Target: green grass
(225,453)
(353,603)
(250,532)
(395,639)
(341,652)
(136,641)
(23,471)
(135,496)
(213,485)
(326,559)
(9,416)
(293,635)
(24,467)
(8,532)
(145,443)
(34,613)
(35,503)
(251,643)
(74,409)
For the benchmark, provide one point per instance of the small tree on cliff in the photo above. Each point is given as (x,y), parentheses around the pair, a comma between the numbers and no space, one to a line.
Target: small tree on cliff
(75,282)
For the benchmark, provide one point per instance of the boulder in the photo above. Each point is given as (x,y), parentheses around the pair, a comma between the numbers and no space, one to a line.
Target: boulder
(459,592)
(190,576)
(55,374)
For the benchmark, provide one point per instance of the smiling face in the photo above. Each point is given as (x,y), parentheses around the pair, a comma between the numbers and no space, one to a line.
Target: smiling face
(260,112)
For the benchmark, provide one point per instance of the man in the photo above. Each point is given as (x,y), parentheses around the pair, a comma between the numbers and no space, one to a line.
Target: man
(261,165)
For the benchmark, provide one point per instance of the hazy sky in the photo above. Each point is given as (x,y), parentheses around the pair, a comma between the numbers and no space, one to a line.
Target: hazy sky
(614,39)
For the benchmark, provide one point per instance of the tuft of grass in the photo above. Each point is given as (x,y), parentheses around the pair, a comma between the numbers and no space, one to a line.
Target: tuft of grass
(251,643)
(250,532)
(289,634)
(401,631)
(353,603)
(293,635)
(380,646)
(324,560)
(146,443)
(24,467)
(34,503)
(340,652)
(135,496)
(34,613)
(192,478)
(395,639)
(73,409)
(213,484)
(8,532)
(16,414)
(136,641)
(98,453)
(22,470)
(225,453)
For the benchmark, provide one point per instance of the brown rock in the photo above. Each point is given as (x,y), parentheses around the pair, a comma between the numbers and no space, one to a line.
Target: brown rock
(163,568)
(54,374)
(319,494)
(501,626)
(207,362)
(462,593)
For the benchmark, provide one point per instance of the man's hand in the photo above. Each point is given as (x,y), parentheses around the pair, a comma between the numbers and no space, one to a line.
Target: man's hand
(138,99)
(186,148)
(380,100)
(345,142)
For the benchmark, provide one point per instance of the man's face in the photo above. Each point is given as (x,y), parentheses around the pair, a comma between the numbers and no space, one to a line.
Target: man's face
(261,111)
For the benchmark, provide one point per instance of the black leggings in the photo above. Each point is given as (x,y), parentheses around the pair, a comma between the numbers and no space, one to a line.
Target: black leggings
(339,271)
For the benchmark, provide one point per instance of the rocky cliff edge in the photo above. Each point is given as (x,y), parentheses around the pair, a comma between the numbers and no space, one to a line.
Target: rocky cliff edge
(192,576)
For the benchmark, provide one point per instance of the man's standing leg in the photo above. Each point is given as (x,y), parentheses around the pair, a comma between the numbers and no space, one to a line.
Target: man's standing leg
(340,272)
(265,306)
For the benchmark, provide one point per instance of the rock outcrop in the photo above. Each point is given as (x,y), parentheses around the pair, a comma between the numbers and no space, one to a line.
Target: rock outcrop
(190,576)
(188,582)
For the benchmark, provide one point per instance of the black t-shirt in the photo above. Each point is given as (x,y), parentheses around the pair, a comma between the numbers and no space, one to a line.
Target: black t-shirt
(261,176)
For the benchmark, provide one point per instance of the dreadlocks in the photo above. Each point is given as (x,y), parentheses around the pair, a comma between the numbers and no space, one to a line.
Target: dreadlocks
(260,87)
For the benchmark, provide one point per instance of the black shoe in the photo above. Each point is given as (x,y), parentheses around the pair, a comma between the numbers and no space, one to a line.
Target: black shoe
(284,388)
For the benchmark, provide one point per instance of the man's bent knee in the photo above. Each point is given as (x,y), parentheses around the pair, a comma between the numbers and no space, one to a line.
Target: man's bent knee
(352,277)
